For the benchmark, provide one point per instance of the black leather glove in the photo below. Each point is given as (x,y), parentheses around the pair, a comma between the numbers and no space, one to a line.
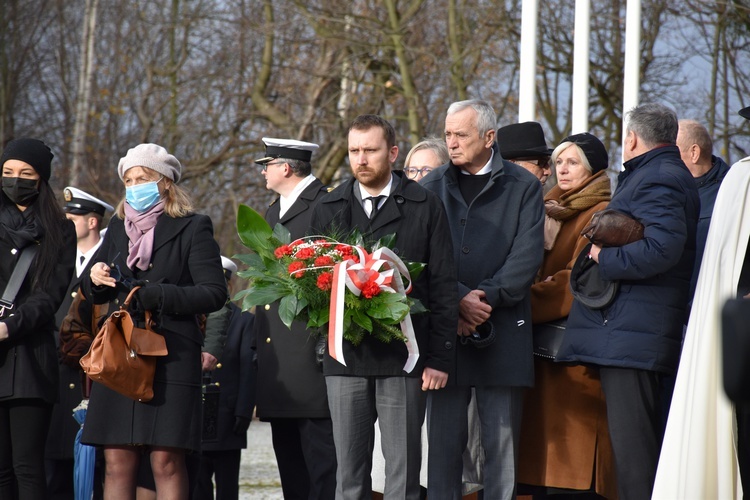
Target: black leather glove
(149,298)
(241,424)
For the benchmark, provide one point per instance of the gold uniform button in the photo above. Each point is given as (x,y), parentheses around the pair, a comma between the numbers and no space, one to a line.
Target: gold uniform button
(268,340)
(117,301)
(268,307)
(218,365)
(72,386)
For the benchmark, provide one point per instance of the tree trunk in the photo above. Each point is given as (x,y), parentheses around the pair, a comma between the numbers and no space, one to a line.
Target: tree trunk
(83,102)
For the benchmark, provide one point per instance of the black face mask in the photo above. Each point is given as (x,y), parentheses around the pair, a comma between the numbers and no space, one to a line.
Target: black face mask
(20,191)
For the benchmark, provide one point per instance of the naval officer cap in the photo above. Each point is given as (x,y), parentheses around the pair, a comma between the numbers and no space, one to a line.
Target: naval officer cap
(79,202)
(287,148)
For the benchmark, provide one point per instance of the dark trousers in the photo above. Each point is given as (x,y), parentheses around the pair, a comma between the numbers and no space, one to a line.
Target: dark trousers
(60,478)
(224,466)
(23,434)
(636,427)
(306,457)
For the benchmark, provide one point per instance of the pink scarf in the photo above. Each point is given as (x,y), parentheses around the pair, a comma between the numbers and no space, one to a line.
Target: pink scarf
(139,226)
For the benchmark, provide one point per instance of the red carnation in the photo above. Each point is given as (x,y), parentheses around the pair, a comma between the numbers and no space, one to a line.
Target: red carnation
(323,260)
(325,281)
(370,289)
(304,253)
(344,249)
(295,269)
(282,251)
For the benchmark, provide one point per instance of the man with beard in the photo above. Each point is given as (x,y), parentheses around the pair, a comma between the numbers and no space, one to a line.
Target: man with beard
(376,382)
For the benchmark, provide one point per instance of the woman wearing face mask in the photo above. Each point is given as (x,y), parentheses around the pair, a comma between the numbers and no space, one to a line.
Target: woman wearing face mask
(155,240)
(30,220)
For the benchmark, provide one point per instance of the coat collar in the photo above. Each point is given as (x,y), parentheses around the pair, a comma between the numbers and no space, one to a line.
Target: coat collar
(719,169)
(405,192)
(641,160)
(166,229)
(303,202)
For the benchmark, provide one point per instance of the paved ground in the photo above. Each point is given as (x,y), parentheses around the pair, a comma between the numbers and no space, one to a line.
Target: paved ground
(259,476)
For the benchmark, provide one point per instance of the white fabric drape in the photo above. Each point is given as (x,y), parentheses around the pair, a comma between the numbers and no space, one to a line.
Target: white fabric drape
(699,453)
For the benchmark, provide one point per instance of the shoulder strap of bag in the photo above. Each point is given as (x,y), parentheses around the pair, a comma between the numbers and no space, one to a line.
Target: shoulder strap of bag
(17,277)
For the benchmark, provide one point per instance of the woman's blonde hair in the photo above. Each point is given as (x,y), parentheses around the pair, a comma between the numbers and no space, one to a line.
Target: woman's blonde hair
(176,201)
(565,145)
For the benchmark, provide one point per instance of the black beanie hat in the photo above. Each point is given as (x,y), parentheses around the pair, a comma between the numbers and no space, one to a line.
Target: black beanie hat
(32,151)
(593,148)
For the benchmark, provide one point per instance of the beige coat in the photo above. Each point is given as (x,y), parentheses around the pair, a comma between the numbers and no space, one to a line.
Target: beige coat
(564,435)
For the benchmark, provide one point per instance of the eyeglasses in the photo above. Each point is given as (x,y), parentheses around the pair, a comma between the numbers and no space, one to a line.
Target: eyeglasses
(539,162)
(414,172)
(266,165)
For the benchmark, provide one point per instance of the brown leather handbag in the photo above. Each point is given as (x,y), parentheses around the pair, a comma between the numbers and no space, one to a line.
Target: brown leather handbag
(610,228)
(123,357)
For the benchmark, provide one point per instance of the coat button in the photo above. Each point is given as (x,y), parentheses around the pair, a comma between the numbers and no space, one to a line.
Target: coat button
(151,265)
(218,365)
(73,294)
(268,340)
(465,249)
(71,386)
(448,345)
(267,307)
(117,301)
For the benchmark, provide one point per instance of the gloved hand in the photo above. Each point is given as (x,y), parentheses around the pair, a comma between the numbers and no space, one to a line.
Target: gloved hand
(149,298)
(241,424)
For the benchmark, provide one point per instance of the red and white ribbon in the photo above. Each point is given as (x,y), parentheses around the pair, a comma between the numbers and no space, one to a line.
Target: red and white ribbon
(385,269)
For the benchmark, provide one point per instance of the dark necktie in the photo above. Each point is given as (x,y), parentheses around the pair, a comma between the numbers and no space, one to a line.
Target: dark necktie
(375,200)
(82,259)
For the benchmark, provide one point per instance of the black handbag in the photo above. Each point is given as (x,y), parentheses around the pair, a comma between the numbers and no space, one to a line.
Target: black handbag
(548,337)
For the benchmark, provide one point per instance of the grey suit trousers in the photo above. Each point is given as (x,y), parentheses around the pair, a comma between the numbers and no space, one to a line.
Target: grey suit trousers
(399,404)
(500,410)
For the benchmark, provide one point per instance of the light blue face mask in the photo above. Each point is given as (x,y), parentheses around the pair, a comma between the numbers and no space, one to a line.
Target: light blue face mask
(143,196)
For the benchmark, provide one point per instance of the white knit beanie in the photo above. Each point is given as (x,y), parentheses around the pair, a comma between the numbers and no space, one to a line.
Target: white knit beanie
(151,156)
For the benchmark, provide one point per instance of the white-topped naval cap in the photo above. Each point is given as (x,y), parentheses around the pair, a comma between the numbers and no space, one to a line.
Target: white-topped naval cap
(287,148)
(227,264)
(79,202)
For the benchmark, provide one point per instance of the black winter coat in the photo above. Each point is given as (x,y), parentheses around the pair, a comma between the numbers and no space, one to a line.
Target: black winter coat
(185,265)
(417,217)
(498,246)
(290,381)
(28,358)
(236,378)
